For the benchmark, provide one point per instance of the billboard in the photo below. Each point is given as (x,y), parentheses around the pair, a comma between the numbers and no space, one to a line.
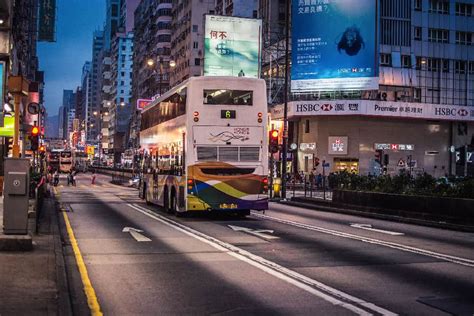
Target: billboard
(47,20)
(232,46)
(334,45)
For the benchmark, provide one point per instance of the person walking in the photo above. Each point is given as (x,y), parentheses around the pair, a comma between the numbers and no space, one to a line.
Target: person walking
(93,177)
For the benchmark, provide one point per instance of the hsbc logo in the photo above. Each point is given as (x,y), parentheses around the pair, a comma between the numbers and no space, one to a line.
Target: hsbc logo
(326,107)
(463,112)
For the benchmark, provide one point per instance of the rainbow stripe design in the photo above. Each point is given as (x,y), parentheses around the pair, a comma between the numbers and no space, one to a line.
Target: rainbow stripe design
(224,192)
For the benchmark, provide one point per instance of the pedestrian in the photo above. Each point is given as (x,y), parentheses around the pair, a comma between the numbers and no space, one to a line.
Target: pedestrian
(311,177)
(56,178)
(319,181)
(93,177)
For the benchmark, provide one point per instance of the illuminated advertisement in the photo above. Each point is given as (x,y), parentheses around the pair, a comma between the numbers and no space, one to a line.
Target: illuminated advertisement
(232,46)
(334,45)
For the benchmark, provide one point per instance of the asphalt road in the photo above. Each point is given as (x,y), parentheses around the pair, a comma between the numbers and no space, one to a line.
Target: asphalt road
(287,261)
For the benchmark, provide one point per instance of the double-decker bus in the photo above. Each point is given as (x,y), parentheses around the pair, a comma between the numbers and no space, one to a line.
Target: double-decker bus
(53,160)
(205,146)
(65,161)
(80,160)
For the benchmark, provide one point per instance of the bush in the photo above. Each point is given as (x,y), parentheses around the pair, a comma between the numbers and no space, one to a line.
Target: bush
(404,183)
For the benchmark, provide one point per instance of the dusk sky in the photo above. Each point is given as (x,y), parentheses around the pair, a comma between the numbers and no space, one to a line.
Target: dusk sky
(62,61)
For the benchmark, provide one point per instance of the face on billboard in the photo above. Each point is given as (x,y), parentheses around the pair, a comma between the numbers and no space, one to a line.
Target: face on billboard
(334,45)
(232,46)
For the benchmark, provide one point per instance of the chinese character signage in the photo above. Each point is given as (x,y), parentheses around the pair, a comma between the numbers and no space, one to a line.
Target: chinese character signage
(47,20)
(232,46)
(337,145)
(334,45)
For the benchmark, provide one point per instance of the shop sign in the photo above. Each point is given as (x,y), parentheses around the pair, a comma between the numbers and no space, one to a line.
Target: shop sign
(394,147)
(380,108)
(307,146)
(337,145)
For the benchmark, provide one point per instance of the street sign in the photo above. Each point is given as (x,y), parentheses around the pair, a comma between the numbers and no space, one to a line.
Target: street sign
(326,165)
(401,163)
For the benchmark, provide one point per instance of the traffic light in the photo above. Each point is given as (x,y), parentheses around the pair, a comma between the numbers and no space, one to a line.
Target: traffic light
(42,151)
(378,156)
(34,138)
(273,144)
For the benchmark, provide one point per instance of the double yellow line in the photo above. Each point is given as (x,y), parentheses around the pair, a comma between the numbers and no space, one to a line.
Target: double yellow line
(92,300)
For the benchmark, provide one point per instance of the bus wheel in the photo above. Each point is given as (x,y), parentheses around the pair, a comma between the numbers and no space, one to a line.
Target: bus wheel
(166,201)
(173,204)
(145,196)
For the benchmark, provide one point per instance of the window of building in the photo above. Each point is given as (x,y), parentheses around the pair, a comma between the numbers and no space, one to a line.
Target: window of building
(114,10)
(464,38)
(197,62)
(122,83)
(417,33)
(195,28)
(460,66)
(438,35)
(445,65)
(122,73)
(420,61)
(385,59)
(433,64)
(471,67)
(439,6)
(464,9)
(195,45)
(306,126)
(417,5)
(406,61)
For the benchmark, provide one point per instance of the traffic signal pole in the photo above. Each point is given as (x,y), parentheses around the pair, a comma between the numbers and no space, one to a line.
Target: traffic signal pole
(16,132)
(285,109)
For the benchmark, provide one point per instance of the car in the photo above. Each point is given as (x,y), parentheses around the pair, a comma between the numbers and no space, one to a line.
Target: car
(134,182)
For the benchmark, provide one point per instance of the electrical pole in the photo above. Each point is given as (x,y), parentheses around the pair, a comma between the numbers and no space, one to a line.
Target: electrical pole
(285,110)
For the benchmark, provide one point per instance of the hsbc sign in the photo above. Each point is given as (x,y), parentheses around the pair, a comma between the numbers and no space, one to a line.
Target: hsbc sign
(378,108)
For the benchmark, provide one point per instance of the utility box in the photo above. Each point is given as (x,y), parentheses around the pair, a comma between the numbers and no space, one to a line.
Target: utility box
(15,200)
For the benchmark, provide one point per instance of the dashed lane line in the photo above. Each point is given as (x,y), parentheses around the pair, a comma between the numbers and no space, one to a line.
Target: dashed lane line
(323,291)
(454,259)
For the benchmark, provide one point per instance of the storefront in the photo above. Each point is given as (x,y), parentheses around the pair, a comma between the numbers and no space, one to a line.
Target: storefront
(347,135)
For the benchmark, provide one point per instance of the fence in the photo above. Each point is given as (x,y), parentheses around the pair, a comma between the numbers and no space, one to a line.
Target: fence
(303,188)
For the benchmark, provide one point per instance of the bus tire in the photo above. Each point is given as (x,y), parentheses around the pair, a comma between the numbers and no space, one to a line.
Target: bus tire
(166,200)
(145,195)
(173,209)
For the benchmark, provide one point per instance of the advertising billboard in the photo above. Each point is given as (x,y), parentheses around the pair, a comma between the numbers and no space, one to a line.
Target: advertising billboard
(232,46)
(334,45)
(47,20)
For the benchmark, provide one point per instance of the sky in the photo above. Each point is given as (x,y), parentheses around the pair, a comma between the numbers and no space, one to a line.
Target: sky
(62,61)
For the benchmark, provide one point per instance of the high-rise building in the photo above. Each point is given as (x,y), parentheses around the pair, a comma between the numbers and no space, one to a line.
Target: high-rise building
(94,103)
(187,38)
(239,8)
(112,20)
(152,36)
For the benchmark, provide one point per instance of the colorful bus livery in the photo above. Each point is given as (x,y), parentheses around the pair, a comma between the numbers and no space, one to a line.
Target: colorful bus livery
(205,147)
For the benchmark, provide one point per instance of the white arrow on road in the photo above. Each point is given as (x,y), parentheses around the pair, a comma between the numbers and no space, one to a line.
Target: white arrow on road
(135,234)
(256,232)
(369,227)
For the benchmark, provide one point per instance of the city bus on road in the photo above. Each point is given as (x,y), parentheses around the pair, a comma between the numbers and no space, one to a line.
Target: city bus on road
(205,147)
(53,160)
(65,161)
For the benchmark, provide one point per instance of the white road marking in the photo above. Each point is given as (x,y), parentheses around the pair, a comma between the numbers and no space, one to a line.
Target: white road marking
(369,227)
(136,234)
(323,291)
(259,232)
(462,261)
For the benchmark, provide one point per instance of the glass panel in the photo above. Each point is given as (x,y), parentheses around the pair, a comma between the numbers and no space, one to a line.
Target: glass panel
(228,153)
(228,97)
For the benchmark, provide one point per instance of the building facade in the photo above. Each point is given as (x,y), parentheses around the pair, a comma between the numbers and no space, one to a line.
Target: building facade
(187,38)
(94,102)
(421,117)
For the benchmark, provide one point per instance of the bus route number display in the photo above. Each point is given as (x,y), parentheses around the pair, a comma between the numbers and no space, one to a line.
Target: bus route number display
(228,114)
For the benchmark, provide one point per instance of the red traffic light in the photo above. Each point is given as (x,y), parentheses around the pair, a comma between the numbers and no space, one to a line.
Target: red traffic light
(35,131)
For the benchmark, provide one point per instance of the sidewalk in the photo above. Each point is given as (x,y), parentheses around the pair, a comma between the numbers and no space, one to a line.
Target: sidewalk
(34,282)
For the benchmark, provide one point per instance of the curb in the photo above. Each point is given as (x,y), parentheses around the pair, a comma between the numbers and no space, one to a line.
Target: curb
(408,220)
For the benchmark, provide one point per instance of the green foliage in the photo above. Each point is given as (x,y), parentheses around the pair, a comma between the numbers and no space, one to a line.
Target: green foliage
(404,183)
